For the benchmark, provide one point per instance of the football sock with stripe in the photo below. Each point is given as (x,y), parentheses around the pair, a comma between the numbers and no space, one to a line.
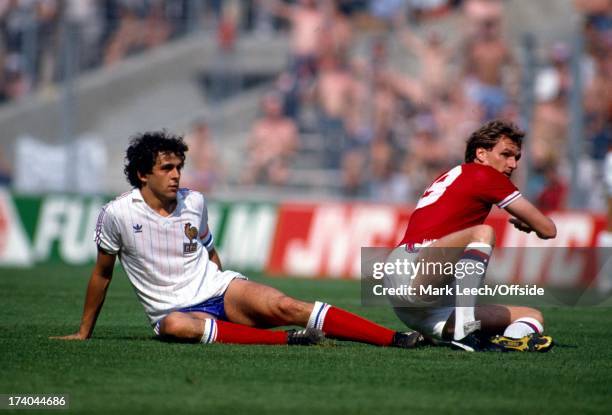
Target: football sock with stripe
(522,327)
(216,331)
(342,325)
(472,265)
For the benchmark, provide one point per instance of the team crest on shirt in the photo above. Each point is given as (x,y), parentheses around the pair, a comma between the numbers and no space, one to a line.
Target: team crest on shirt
(191,232)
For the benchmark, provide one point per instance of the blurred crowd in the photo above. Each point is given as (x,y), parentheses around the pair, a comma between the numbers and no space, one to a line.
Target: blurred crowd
(35,35)
(389,132)
(383,131)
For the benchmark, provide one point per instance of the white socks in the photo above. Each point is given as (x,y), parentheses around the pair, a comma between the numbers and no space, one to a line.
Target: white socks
(476,255)
(210,331)
(317,317)
(522,327)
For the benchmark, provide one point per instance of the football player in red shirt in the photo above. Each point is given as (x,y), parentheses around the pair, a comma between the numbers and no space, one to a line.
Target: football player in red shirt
(448,226)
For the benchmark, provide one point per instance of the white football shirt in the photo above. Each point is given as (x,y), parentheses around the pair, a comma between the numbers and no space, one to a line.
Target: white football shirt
(165,258)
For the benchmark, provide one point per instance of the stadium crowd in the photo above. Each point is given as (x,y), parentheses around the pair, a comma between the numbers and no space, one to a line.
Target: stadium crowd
(385,131)
(34,35)
(389,132)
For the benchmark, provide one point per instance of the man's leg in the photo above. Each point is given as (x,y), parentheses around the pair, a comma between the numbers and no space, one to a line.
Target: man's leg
(511,321)
(496,319)
(258,305)
(522,329)
(186,327)
(476,255)
(467,248)
(474,246)
(201,327)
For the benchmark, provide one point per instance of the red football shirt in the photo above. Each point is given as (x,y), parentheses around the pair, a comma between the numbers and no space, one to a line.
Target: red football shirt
(458,199)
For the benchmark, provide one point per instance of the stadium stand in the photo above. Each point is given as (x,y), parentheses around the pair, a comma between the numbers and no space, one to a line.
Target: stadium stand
(382,93)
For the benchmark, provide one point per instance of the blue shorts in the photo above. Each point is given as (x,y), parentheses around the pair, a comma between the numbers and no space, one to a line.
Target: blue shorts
(214,306)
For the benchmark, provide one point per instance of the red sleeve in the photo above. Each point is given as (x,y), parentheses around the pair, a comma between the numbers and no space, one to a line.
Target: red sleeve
(495,188)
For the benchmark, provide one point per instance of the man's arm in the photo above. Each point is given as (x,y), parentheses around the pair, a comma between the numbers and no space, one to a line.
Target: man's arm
(403,85)
(96,293)
(214,257)
(528,218)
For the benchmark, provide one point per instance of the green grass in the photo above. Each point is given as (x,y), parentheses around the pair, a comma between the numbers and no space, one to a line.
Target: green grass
(122,369)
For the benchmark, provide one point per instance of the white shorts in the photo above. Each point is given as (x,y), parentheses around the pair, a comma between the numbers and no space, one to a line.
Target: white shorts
(217,285)
(428,320)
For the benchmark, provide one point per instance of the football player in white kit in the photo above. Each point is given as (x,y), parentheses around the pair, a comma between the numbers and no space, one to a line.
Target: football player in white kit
(160,233)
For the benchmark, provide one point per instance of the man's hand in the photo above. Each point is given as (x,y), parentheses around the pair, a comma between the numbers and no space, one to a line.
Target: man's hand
(527,218)
(520,225)
(94,298)
(75,336)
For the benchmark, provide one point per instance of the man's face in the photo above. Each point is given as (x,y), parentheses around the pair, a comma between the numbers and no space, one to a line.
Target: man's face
(503,157)
(163,181)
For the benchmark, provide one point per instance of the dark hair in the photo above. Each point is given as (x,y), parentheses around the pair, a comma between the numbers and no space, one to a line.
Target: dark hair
(142,153)
(489,134)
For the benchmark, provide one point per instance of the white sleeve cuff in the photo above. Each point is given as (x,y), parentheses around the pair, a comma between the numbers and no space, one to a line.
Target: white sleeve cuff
(509,199)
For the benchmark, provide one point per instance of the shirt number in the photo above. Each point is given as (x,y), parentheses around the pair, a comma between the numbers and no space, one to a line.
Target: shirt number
(437,189)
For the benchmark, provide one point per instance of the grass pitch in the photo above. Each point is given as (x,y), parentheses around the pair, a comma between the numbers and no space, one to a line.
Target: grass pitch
(123,370)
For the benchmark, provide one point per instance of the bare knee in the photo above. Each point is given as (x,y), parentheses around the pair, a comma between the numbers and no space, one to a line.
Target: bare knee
(483,233)
(180,327)
(172,325)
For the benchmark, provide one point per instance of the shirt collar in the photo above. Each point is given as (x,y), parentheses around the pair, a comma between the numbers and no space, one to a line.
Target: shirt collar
(137,196)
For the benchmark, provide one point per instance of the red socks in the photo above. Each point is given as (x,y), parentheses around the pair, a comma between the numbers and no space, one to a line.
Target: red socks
(334,322)
(226,332)
(342,325)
